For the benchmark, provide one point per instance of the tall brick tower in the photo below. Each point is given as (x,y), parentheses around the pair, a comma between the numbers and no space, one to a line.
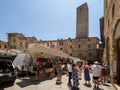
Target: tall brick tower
(82,21)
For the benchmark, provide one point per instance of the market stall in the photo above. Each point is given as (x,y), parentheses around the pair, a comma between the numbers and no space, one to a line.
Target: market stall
(46,58)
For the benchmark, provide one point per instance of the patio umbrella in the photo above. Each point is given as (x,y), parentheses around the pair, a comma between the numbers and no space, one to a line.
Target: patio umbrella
(38,50)
(75,59)
(60,54)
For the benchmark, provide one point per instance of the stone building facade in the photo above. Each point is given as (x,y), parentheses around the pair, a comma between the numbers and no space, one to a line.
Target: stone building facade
(83,48)
(112,36)
(19,41)
(82,21)
(3,45)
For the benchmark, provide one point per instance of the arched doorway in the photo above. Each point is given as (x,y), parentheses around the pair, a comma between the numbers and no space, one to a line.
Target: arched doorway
(118,60)
(108,54)
(117,38)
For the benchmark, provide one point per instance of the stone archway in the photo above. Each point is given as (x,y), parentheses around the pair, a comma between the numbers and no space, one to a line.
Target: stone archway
(117,39)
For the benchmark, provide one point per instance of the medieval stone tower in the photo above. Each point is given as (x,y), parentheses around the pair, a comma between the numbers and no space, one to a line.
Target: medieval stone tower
(82,21)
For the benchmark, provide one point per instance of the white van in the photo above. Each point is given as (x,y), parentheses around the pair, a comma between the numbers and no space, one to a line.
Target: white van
(23,62)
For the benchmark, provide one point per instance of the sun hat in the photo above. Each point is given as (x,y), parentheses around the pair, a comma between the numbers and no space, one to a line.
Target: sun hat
(96,62)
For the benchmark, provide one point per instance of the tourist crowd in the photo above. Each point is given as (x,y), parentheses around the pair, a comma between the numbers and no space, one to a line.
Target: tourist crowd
(100,73)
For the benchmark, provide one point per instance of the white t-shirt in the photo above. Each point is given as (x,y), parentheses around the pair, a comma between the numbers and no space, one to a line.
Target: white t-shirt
(69,67)
(96,70)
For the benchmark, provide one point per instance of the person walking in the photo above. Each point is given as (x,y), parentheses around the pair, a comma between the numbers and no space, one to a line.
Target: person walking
(40,70)
(59,73)
(69,68)
(79,71)
(96,74)
(104,73)
(107,66)
(75,78)
(87,73)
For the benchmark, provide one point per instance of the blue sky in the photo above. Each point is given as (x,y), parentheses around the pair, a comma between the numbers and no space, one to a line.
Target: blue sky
(47,19)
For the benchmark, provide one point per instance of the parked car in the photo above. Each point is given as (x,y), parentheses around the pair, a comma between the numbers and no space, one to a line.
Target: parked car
(7,70)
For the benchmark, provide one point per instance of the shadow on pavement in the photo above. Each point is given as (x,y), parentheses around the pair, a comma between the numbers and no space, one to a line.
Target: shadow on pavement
(26,82)
(107,85)
(32,81)
(98,89)
(88,85)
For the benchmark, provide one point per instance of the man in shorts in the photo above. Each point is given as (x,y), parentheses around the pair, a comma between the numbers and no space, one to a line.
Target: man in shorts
(96,74)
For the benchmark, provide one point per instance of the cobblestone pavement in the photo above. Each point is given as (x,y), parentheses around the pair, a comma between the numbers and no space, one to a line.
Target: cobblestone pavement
(33,84)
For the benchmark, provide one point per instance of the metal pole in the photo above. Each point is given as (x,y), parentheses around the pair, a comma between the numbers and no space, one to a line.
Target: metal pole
(36,72)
